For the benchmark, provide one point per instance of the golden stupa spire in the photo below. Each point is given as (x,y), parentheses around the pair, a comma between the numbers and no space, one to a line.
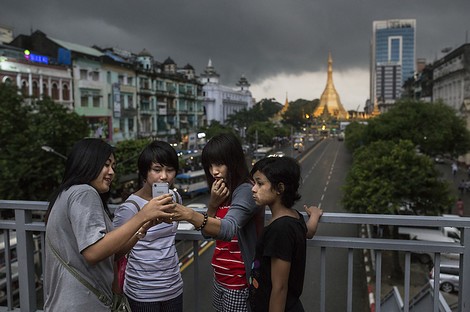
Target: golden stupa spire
(376,111)
(285,107)
(330,103)
(278,116)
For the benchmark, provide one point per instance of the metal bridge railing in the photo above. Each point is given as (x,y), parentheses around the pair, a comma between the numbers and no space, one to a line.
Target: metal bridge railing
(23,239)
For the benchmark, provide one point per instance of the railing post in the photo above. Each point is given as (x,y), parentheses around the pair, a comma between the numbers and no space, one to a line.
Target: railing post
(196,274)
(25,252)
(464,275)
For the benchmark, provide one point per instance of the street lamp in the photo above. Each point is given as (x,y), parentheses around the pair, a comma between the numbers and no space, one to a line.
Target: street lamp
(53,151)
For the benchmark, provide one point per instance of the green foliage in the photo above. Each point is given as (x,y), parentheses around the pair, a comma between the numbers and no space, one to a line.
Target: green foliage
(295,115)
(261,111)
(257,120)
(262,132)
(385,174)
(127,153)
(434,127)
(28,172)
(265,109)
(216,128)
(354,134)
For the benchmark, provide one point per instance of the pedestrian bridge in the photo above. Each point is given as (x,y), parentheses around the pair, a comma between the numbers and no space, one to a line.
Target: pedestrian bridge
(24,275)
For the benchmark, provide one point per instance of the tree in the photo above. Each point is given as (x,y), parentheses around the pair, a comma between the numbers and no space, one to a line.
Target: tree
(434,127)
(262,133)
(127,153)
(386,174)
(28,172)
(266,108)
(354,134)
(295,115)
(216,128)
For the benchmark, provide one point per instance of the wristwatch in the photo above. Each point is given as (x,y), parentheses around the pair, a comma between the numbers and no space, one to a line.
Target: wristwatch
(139,234)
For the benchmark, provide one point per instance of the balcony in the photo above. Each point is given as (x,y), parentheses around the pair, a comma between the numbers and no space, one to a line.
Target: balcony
(129,112)
(28,231)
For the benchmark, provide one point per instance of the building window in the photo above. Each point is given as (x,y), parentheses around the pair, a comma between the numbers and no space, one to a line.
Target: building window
(65,92)
(121,79)
(130,124)
(84,100)
(130,101)
(130,81)
(96,101)
(55,91)
(45,90)
(24,88)
(95,76)
(83,74)
(7,80)
(395,50)
(122,101)
(35,89)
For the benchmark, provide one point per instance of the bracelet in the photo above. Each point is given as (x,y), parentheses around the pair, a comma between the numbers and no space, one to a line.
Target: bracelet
(203,222)
(140,234)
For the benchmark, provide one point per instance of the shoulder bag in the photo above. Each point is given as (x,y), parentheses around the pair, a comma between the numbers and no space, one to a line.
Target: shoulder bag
(118,303)
(121,264)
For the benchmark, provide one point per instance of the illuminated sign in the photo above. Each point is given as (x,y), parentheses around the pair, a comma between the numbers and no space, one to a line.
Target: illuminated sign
(35,58)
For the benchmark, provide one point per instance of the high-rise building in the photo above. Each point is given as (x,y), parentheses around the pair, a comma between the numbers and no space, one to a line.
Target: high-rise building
(392,59)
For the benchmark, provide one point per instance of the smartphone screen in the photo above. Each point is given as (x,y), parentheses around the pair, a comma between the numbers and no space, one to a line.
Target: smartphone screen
(159,188)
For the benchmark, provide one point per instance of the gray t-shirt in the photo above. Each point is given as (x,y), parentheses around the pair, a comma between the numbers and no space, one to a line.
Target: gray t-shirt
(77,221)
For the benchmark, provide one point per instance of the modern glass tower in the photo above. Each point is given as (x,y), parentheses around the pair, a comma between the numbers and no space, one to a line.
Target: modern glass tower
(392,60)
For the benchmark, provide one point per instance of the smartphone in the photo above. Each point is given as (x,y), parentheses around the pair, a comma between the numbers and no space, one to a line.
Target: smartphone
(160,188)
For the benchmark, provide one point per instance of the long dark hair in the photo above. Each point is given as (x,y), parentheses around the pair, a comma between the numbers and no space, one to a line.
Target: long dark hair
(84,163)
(226,149)
(285,170)
(156,152)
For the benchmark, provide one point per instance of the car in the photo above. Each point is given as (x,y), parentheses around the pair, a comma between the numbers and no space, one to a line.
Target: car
(442,235)
(298,146)
(439,159)
(448,277)
(277,154)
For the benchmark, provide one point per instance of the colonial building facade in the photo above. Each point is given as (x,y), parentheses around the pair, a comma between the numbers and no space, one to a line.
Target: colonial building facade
(451,83)
(123,95)
(34,76)
(221,101)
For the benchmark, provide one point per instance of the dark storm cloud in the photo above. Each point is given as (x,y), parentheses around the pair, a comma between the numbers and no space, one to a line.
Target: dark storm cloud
(257,38)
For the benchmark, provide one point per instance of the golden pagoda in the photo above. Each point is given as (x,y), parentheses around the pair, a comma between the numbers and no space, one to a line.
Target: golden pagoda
(376,111)
(330,103)
(278,116)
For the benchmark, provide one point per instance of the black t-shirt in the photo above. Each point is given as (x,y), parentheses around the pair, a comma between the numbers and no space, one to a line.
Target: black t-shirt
(285,238)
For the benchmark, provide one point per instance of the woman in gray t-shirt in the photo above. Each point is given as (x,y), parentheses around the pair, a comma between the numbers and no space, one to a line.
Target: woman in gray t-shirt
(79,228)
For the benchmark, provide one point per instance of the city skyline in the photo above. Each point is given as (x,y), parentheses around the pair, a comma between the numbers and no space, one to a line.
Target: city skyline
(280,47)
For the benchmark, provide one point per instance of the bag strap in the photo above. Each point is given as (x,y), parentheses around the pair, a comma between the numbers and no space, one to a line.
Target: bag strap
(134,203)
(101,297)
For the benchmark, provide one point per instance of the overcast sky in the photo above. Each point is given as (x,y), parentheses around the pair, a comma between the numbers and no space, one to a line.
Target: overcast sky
(280,46)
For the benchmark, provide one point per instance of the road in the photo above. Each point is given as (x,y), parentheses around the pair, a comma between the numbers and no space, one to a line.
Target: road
(324,168)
